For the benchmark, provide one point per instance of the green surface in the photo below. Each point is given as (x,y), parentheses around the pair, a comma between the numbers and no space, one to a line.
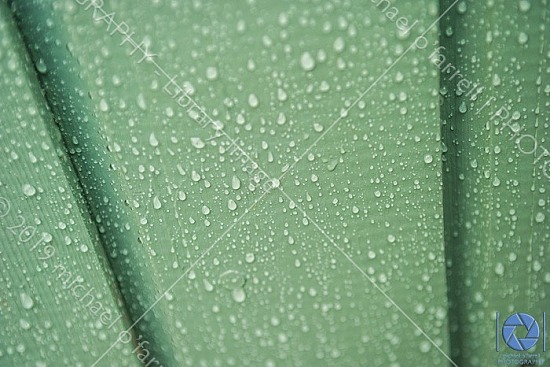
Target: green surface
(402,219)
(303,300)
(58,296)
(496,194)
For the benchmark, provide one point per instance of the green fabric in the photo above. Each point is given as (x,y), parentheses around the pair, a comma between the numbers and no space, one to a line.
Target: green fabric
(496,186)
(59,304)
(398,223)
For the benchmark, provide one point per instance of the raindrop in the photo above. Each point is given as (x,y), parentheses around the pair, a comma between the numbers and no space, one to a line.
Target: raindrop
(141,102)
(153,140)
(212,73)
(41,67)
(26,301)
(523,38)
(524,6)
(463,108)
(253,100)
(197,143)
(238,295)
(249,257)
(29,190)
(156,203)
(307,62)
(235,183)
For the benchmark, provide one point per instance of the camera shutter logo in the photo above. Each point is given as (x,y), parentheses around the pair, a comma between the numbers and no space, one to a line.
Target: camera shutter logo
(520,331)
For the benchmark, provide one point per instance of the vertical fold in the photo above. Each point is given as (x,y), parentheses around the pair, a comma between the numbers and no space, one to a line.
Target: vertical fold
(59,303)
(104,188)
(495,97)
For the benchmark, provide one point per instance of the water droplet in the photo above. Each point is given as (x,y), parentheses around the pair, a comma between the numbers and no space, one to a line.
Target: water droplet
(496,80)
(24,324)
(523,38)
(281,119)
(29,190)
(463,108)
(153,140)
(462,7)
(524,6)
(339,45)
(26,301)
(238,295)
(207,285)
(141,102)
(103,106)
(281,95)
(249,257)
(41,67)
(253,100)
(235,183)
(195,176)
(211,73)
(425,346)
(156,203)
(197,143)
(307,62)
(428,158)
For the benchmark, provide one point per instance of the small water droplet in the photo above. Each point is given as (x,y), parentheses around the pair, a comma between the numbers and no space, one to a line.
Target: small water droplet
(253,101)
(156,203)
(249,257)
(41,67)
(141,102)
(307,62)
(26,301)
(153,140)
(332,165)
(29,190)
(235,183)
(524,6)
(197,143)
(212,73)
(238,295)
(523,38)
